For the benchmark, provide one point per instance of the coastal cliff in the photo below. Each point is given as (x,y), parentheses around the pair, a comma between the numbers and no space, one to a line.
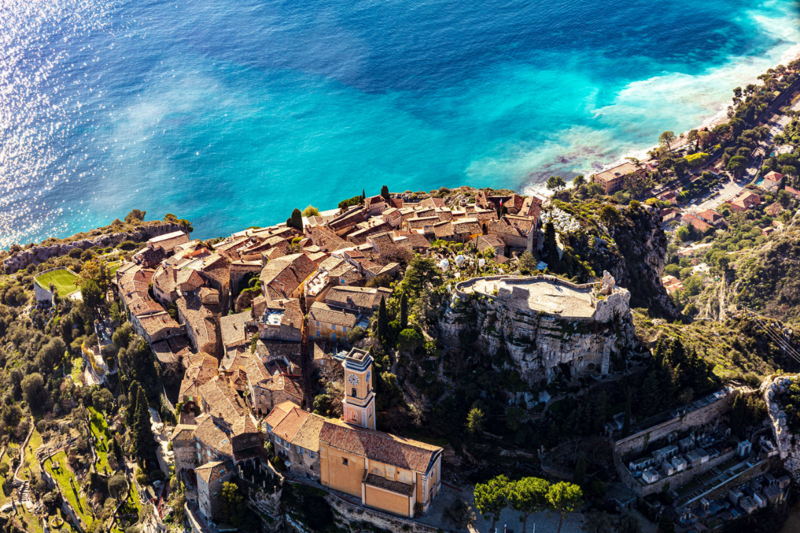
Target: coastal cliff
(628,242)
(37,254)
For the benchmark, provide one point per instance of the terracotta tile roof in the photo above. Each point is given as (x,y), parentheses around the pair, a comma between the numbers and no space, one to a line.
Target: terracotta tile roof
(255,369)
(381,241)
(290,425)
(283,276)
(443,229)
(279,412)
(379,446)
(141,304)
(222,400)
(212,471)
(321,312)
(183,433)
(398,487)
(244,424)
(169,351)
(234,330)
(168,241)
(201,370)
(696,222)
(361,298)
(421,222)
(414,241)
(467,226)
(432,202)
(200,319)
(710,216)
(308,435)
(157,322)
(285,384)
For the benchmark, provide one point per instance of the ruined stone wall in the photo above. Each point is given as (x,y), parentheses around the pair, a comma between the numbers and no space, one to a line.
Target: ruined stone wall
(536,342)
(704,415)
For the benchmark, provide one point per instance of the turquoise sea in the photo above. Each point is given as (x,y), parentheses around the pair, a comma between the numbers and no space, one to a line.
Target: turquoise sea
(232,112)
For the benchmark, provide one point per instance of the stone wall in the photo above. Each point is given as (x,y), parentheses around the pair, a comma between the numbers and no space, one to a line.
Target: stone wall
(352,513)
(41,253)
(538,343)
(703,415)
(674,481)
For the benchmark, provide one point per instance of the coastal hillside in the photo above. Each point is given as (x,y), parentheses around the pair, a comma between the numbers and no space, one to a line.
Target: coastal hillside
(766,278)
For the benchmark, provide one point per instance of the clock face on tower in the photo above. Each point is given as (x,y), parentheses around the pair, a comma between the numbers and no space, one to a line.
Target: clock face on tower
(353,379)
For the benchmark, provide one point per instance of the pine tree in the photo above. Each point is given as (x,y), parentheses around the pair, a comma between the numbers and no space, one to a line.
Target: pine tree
(385,193)
(579,476)
(403,311)
(383,320)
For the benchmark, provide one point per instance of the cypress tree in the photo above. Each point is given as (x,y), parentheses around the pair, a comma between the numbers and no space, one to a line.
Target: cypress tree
(550,246)
(385,193)
(130,410)
(363,195)
(142,441)
(383,320)
(403,311)
(296,221)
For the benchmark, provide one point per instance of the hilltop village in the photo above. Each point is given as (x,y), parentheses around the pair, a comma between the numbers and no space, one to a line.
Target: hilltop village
(617,356)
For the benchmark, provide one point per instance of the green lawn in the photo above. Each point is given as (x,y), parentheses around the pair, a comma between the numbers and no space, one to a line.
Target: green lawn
(112,267)
(31,464)
(63,280)
(11,449)
(63,475)
(99,428)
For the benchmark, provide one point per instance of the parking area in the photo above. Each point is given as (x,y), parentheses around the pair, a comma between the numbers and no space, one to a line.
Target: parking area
(727,192)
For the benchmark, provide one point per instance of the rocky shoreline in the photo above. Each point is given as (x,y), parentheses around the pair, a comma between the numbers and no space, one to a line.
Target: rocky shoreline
(40,253)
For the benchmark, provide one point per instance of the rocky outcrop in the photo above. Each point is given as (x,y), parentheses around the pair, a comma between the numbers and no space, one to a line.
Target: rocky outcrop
(542,345)
(642,246)
(41,253)
(788,444)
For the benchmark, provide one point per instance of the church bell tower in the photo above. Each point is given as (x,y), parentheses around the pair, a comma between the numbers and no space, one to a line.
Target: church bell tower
(359,399)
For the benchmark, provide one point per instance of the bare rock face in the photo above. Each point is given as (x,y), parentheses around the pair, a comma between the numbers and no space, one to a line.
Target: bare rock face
(788,444)
(642,246)
(39,254)
(542,345)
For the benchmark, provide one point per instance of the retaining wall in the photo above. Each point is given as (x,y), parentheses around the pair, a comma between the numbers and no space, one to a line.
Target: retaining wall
(698,417)
(674,481)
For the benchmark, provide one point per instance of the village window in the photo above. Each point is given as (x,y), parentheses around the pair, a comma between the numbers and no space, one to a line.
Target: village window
(333,327)
(317,323)
(344,329)
(344,461)
(313,456)
(299,450)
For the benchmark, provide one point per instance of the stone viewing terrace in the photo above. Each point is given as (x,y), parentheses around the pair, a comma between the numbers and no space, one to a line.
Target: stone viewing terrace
(546,294)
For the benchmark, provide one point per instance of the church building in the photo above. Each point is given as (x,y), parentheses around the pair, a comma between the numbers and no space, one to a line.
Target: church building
(385,471)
